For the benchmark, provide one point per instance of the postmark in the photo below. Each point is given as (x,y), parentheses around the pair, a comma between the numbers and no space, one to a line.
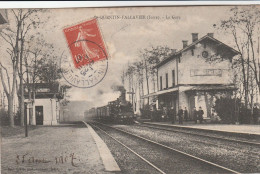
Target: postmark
(88,61)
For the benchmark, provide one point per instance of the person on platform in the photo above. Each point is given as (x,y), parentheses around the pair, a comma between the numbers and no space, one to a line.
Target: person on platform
(166,114)
(185,114)
(180,114)
(200,114)
(159,114)
(153,113)
(195,114)
(172,115)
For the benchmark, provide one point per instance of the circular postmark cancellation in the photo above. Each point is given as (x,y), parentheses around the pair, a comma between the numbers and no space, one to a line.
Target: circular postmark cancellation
(89,72)
(88,63)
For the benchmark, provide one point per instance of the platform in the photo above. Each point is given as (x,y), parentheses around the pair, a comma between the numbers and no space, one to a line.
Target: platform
(70,148)
(253,130)
(105,154)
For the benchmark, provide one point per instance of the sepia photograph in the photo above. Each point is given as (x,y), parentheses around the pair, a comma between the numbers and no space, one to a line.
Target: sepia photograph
(131,90)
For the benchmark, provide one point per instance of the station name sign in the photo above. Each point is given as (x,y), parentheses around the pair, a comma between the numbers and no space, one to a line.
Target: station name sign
(205,72)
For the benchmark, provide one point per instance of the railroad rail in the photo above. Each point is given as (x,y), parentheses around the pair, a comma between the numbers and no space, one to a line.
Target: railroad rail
(162,146)
(171,129)
(148,162)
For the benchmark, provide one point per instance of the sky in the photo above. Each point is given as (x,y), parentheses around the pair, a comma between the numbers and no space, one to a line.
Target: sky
(125,37)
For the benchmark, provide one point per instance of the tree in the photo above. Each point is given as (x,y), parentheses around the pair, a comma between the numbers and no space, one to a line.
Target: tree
(19,37)
(64,89)
(37,55)
(151,57)
(130,74)
(157,54)
(140,79)
(42,67)
(15,40)
(9,88)
(49,71)
(243,25)
(143,72)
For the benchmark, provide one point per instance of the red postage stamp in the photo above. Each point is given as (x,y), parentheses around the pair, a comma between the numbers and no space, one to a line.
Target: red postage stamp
(86,43)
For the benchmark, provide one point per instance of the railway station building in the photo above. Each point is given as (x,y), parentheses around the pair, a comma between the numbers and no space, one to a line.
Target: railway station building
(195,75)
(44,104)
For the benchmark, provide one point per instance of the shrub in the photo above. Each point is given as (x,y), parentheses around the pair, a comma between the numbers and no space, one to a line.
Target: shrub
(17,118)
(225,108)
(4,119)
(244,115)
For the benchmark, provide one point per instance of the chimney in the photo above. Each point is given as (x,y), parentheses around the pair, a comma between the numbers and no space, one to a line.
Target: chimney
(211,34)
(195,37)
(185,43)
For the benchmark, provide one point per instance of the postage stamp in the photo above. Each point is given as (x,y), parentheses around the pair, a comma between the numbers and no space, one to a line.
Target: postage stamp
(88,63)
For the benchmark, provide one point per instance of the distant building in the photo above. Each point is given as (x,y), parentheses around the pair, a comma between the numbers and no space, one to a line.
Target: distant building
(45,107)
(195,75)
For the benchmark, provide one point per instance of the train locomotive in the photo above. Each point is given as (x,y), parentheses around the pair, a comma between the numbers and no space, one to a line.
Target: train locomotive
(118,111)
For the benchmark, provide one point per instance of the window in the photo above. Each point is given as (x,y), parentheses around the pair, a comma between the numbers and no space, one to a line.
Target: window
(192,52)
(160,82)
(166,77)
(173,78)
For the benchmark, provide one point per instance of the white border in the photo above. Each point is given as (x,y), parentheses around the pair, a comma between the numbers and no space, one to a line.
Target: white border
(70,4)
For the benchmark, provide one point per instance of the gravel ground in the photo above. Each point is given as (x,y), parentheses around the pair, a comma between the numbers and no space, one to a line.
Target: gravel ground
(128,162)
(239,157)
(45,144)
(168,161)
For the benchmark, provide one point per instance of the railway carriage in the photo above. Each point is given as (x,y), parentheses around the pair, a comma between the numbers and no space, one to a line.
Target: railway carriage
(103,113)
(117,111)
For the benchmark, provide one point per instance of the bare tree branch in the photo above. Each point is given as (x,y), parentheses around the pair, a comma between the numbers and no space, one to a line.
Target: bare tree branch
(2,78)
(8,41)
(16,16)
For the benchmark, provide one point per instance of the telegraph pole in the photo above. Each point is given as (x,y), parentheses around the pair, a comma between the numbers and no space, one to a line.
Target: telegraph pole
(25,121)
(257,91)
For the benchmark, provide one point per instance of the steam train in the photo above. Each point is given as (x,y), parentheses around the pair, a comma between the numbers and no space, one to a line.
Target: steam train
(118,111)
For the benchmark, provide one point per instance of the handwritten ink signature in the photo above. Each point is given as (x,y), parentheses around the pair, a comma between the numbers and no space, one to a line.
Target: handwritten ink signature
(62,159)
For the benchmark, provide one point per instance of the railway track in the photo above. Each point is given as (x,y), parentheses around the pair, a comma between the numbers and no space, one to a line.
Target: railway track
(185,161)
(255,143)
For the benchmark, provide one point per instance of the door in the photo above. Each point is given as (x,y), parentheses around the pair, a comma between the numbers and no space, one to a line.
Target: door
(191,106)
(39,115)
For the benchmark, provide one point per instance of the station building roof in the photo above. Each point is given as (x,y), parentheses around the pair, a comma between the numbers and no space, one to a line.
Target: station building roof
(220,44)
(45,90)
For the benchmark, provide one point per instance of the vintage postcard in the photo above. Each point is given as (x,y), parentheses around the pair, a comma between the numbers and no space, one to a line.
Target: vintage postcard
(171,89)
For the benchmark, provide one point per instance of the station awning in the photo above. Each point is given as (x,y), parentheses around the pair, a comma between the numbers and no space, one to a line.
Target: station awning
(194,88)
(213,88)
(161,92)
